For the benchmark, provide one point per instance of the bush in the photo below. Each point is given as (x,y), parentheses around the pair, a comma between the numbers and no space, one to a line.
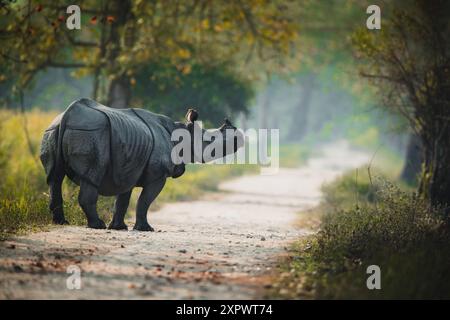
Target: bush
(352,188)
(391,228)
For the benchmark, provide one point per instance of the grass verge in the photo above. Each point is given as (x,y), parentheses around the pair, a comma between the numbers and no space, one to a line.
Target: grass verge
(293,155)
(367,223)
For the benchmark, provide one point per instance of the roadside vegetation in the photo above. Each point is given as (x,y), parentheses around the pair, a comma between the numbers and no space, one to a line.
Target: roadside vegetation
(293,155)
(366,220)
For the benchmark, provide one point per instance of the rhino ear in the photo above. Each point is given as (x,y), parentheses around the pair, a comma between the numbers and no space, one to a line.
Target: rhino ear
(191,115)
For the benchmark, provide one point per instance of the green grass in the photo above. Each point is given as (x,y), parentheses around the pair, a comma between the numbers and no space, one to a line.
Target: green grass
(293,155)
(366,222)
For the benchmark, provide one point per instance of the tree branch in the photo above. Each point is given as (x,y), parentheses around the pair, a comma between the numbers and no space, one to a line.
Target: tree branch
(79,43)
(84,10)
(54,64)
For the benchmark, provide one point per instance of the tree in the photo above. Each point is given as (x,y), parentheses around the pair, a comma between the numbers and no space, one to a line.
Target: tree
(413,160)
(213,91)
(409,61)
(298,127)
(324,27)
(119,36)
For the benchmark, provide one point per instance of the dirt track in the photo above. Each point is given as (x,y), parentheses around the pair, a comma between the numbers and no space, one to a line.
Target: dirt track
(220,247)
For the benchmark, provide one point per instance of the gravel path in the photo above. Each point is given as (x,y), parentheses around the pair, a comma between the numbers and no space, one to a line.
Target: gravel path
(223,246)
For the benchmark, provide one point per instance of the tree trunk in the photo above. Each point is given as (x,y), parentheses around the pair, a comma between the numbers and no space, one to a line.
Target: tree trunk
(300,116)
(243,121)
(119,91)
(413,160)
(264,110)
(435,180)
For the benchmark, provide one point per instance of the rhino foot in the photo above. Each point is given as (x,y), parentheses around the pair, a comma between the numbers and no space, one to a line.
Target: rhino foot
(118,226)
(143,227)
(57,220)
(98,224)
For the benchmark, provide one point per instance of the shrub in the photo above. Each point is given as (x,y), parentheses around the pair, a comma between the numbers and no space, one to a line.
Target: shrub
(393,229)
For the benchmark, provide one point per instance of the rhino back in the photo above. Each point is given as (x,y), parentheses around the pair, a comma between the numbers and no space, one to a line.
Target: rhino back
(81,117)
(132,143)
(100,140)
(160,162)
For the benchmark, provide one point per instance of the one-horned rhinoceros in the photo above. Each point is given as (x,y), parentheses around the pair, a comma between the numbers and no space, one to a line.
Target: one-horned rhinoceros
(110,151)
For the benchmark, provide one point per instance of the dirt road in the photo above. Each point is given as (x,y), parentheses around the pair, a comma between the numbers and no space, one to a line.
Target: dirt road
(220,247)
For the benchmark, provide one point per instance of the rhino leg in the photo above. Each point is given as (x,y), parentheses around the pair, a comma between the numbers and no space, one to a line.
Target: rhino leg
(56,201)
(148,195)
(120,209)
(88,202)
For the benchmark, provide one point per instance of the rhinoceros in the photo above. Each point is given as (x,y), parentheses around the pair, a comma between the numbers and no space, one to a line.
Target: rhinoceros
(109,152)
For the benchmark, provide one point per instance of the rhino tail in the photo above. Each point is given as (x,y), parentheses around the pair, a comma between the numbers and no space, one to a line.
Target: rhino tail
(58,170)
(50,158)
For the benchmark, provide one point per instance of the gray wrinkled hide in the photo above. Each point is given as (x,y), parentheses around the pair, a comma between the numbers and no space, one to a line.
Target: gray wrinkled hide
(113,149)
(109,152)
